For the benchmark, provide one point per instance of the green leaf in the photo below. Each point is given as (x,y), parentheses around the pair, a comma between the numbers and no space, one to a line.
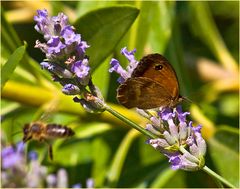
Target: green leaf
(165,176)
(11,64)
(103,29)
(101,77)
(101,162)
(224,150)
(119,158)
(143,26)
(10,39)
(162,22)
(85,6)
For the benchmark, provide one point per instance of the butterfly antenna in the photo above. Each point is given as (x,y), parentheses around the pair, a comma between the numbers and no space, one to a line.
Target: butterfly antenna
(187,99)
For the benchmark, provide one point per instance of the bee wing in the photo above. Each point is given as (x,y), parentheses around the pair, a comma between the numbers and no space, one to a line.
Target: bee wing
(45,111)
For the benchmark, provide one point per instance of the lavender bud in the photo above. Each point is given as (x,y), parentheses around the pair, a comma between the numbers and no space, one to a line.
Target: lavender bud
(77,185)
(153,130)
(90,183)
(62,179)
(95,106)
(56,69)
(51,181)
(70,89)
(143,113)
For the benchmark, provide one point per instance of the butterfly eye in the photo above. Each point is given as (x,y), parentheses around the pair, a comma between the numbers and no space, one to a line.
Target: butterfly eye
(158,67)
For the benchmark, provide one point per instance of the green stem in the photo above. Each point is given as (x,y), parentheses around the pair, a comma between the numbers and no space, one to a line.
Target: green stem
(210,172)
(218,177)
(129,122)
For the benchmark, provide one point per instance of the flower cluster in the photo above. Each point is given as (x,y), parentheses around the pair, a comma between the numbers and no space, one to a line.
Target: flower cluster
(66,59)
(17,172)
(176,137)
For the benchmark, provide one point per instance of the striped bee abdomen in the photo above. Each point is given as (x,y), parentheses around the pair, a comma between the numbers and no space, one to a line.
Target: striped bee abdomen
(57,130)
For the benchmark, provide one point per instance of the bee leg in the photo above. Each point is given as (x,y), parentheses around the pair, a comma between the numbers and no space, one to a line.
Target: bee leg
(50,151)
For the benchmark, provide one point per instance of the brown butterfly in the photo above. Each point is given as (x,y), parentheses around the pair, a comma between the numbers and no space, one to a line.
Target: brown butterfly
(153,84)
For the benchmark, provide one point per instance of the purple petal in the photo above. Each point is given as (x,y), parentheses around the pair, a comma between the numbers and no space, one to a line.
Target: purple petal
(166,114)
(11,160)
(32,155)
(128,54)
(55,45)
(69,36)
(81,48)
(115,66)
(81,69)
(197,129)
(181,115)
(41,15)
(45,65)
(7,151)
(20,147)
(176,162)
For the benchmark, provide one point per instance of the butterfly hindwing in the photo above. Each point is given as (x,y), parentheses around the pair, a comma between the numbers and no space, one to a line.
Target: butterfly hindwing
(142,93)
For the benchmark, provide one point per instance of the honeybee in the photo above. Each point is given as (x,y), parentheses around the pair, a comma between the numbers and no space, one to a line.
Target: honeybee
(44,132)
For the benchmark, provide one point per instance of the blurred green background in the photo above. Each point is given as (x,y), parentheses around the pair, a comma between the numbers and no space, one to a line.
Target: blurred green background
(200,39)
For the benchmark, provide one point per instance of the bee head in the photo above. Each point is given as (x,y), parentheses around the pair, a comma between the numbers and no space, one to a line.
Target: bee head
(35,128)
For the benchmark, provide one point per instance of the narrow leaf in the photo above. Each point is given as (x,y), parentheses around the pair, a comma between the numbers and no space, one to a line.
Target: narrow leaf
(11,64)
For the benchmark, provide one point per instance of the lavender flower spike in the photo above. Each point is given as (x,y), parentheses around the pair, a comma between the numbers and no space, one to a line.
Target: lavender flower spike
(66,59)
(179,141)
(62,42)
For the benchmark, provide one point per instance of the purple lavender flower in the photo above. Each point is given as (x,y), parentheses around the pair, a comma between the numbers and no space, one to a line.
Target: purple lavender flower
(12,157)
(89,184)
(69,35)
(115,65)
(55,45)
(19,173)
(81,69)
(51,181)
(178,139)
(78,185)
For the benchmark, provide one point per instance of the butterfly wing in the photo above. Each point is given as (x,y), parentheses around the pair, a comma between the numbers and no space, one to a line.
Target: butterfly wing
(158,68)
(143,93)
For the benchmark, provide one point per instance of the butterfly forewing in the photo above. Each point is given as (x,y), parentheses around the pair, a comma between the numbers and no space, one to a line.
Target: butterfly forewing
(158,68)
